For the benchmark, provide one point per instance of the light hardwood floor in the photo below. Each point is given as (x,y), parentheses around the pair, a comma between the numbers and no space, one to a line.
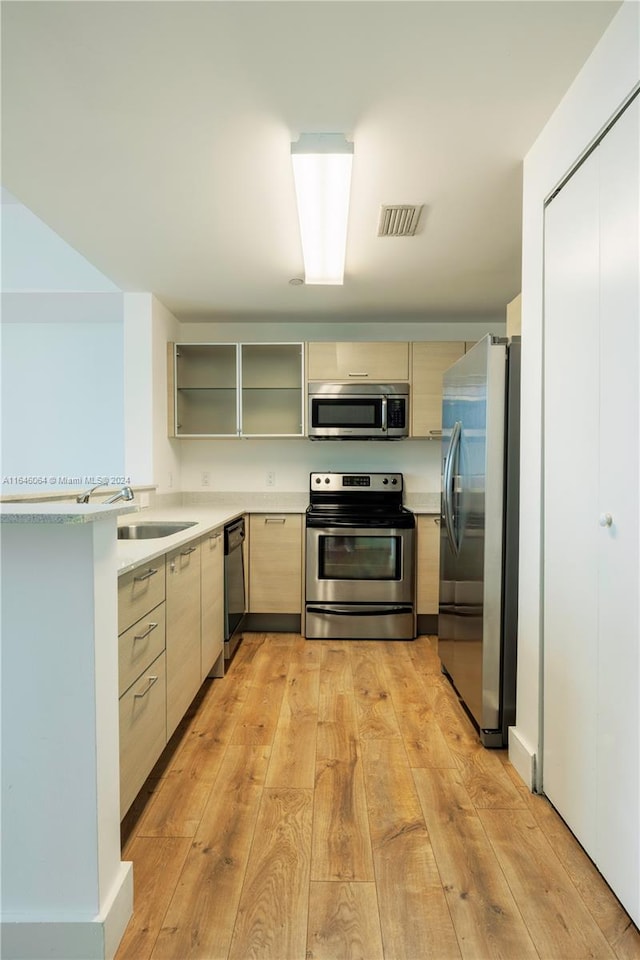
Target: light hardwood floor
(330,800)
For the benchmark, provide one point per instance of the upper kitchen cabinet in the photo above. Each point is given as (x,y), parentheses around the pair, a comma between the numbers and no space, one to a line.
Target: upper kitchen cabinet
(228,389)
(388,361)
(272,380)
(203,389)
(429,360)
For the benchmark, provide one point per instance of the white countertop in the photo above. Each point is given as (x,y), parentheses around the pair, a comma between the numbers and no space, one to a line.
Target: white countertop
(61,512)
(132,553)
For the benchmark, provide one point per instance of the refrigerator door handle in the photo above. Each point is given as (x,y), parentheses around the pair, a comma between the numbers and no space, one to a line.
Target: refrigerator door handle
(447,488)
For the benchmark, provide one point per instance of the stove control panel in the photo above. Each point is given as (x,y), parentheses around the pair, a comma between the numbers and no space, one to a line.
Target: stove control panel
(357,483)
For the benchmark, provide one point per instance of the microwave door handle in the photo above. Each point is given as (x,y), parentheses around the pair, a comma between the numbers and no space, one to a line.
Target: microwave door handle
(447,488)
(384,415)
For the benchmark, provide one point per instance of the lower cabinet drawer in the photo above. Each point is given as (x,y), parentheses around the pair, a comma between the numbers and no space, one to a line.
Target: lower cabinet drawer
(140,645)
(143,730)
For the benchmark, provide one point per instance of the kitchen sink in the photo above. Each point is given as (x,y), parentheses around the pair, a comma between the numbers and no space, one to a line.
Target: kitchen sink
(148,530)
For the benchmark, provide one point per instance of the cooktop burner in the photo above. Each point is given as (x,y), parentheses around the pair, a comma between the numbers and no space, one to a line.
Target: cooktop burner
(357,499)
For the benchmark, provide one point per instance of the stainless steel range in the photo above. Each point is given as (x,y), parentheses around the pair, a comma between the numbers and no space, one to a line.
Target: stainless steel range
(360,558)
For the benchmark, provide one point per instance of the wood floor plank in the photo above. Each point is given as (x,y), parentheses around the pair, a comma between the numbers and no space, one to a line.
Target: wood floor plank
(257,720)
(336,680)
(344,922)
(376,716)
(272,915)
(199,922)
(341,846)
(486,918)
(156,863)
(423,653)
(558,921)
(293,755)
(483,775)
(337,735)
(414,916)
(423,739)
(597,896)
(177,805)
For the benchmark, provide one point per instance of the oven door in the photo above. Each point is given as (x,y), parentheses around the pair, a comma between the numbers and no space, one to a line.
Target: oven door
(360,565)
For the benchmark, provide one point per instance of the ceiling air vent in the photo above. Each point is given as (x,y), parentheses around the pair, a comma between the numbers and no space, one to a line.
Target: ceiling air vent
(400,220)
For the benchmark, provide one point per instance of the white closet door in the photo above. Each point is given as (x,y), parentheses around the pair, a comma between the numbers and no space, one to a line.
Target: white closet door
(618,735)
(571,415)
(591,740)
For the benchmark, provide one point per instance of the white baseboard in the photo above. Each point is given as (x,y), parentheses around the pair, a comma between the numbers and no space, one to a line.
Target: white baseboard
(523,758)
(96,939)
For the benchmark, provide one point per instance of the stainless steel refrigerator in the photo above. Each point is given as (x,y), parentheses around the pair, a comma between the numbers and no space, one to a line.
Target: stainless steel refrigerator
(478,613)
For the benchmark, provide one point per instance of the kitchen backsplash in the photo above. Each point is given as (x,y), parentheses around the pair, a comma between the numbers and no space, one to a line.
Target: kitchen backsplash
(273,465)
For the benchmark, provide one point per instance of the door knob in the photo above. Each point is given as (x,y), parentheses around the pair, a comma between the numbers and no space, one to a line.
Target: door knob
(606,520)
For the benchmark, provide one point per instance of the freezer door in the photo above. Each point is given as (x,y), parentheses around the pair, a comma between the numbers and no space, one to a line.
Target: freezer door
(472,528)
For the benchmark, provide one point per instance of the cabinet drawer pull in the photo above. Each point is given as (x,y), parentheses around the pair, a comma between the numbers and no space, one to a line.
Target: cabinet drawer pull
(145,576)
(435,433)
(358,374)
(185,553)
(275,519)
(150,683)
(143,636)
(213,537)
(437,520)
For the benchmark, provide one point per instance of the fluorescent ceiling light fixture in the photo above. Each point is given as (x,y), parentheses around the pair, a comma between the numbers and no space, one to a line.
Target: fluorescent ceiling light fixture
(322,176)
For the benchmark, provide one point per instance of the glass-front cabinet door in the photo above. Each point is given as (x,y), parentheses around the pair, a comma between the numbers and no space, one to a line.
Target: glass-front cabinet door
(272,389)
(206,395)
(228,389)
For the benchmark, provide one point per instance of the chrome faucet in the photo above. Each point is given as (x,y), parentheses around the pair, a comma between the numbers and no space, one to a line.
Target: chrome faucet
(126,493)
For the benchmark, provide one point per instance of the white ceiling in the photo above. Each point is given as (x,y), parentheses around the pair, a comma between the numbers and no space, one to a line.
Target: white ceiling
(154,138)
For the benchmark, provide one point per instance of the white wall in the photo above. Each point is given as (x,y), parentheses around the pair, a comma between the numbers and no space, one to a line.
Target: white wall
(151,457)
(604,84)
(62,390)
(62,362)
(242,464)
(166,452)
(271,330)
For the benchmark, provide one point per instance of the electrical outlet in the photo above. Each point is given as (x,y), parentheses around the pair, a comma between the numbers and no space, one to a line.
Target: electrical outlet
(271,478)
(205,479)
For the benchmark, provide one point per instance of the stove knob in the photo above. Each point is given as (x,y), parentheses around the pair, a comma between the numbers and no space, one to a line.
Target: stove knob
(326,480)
(386,480)
(318,479)
(395,480)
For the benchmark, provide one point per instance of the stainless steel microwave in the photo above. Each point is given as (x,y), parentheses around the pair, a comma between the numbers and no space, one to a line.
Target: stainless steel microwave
(358,411)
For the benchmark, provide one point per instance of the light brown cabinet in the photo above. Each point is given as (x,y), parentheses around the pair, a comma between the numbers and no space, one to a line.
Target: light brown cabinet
(428,563)
(140,645)
(143,730)
(183,631)
(353,361)
(139,591)
(429,360)
(141,668)
(275,563)
(212,604)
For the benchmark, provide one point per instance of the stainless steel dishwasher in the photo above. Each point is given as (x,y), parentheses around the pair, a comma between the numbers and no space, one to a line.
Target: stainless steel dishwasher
(234,598)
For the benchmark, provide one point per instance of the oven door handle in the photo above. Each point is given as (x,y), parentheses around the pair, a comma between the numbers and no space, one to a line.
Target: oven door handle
(362,610)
